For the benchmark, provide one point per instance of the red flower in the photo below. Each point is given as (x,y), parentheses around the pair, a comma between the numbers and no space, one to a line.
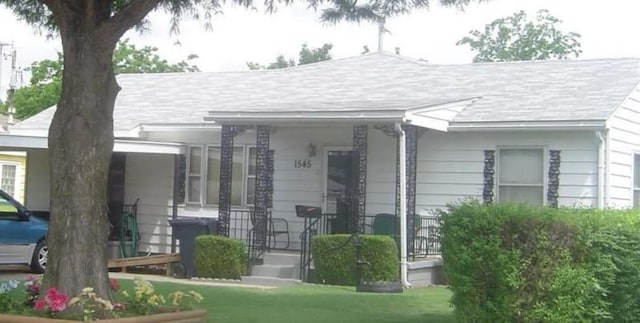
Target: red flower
(56,300)
(113,283)
(39,305)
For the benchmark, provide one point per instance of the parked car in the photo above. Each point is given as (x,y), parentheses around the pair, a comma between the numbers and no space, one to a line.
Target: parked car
(22,235)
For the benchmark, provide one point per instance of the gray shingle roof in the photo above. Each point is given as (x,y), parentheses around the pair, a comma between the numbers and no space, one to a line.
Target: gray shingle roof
(518,91)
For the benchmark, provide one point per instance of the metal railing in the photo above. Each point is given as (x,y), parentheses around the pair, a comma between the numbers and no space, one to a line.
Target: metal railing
(313,226)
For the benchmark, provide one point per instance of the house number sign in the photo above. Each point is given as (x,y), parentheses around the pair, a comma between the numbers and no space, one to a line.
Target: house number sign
(302,163)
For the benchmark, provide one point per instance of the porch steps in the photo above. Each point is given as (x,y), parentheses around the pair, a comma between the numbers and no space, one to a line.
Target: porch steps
(279,268)
(283,258)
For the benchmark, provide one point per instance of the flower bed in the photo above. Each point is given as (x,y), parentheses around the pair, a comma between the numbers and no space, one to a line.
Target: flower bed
(142,305)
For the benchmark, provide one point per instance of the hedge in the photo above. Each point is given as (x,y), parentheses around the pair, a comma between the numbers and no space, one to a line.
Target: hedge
(334,259)
(219,257)
(518,263)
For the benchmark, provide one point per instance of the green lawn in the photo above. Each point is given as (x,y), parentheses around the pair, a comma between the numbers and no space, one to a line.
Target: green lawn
(307,303)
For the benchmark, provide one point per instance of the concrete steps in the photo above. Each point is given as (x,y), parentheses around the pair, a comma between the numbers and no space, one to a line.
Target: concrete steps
(269,281)
(279,268)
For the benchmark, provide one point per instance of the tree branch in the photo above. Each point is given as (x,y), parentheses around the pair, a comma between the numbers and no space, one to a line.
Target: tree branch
(129,16)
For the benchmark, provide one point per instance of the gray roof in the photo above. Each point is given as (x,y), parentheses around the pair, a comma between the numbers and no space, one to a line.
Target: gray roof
(517,91)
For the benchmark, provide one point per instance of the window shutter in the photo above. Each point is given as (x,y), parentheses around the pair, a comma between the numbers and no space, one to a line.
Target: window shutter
(489,176)
(554,178)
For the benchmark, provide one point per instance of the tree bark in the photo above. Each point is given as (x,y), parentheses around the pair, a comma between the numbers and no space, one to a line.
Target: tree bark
(81,141)
(80,148)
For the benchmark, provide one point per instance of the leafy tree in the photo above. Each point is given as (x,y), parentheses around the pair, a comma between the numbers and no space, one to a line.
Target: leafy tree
(81,132)
(306,56)
(44,87)
(516,39)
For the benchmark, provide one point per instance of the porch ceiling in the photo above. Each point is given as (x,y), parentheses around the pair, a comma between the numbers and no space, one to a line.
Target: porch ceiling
(16,142)
(427,115)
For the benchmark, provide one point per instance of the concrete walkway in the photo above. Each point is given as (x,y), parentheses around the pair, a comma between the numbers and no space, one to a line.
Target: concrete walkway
(198,282)
(8,272)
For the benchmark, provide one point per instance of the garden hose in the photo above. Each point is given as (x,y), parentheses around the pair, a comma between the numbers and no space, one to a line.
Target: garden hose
(128,233)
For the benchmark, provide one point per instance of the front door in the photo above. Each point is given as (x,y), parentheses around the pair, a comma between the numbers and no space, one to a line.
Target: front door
(340,187)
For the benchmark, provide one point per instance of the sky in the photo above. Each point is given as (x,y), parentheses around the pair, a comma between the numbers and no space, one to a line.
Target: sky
(609,29)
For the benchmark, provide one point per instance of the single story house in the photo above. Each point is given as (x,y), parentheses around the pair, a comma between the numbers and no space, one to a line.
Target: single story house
(357,133)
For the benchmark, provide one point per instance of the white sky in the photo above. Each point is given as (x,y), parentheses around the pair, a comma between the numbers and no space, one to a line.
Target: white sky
(608,28)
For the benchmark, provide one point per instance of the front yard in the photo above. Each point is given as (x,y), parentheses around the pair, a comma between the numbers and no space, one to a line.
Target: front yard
(308,303)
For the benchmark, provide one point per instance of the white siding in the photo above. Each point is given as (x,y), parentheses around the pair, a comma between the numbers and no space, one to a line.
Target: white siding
(37,180)
(624,140)
(294,186)
(149,177)
(450,165)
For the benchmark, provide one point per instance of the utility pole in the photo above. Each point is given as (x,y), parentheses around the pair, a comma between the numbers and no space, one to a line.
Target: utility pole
(13,80)
(381,31)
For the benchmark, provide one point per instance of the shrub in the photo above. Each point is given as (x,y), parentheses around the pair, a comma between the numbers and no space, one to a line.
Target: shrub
(518,263)
(219,257)
(334,259)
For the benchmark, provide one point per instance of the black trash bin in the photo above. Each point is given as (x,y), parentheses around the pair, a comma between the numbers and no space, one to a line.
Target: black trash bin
(186,230)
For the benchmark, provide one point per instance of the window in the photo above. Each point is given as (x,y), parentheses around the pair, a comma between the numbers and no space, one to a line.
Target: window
(7,210)
(636,181)
(203,180)
(521,176)
(8,178)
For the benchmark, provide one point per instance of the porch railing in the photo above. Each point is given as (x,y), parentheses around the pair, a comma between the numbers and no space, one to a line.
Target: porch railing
(423,234)
(241,228)
(313,227)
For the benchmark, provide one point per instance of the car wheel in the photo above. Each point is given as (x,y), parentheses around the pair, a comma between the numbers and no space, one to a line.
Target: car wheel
(39,260)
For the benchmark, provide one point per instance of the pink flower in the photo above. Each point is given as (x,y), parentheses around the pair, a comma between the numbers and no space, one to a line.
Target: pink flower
(39,305)
(56,300)
(119,306)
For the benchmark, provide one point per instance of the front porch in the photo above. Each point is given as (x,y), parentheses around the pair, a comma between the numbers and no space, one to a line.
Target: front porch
(328,168)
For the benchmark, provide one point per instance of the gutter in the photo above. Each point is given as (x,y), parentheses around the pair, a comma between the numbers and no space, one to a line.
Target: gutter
(602,168)
(403,205)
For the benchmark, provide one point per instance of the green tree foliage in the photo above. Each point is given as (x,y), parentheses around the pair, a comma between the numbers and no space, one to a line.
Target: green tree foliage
(515,38)
(44,87)
(306,56)
(81,134)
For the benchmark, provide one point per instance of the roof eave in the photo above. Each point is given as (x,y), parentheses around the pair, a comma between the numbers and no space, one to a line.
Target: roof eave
(20,142)
(304,117)
(559,125)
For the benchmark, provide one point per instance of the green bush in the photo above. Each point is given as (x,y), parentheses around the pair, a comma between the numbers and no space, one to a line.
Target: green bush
(334,259)
(219,257)
(518,263)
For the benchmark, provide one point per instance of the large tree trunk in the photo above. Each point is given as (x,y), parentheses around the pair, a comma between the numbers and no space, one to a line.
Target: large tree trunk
(80,148)
(81,140)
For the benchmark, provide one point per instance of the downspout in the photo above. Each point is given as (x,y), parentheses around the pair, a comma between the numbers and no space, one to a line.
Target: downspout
(601,169)
(607,168)
(403,205)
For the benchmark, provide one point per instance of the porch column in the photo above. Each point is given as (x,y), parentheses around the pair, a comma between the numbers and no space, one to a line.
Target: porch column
(356,222)
(226,166)
(264,174)
(411,143)
(411,134)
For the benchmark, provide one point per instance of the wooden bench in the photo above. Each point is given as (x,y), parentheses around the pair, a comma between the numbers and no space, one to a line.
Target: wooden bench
(164,259)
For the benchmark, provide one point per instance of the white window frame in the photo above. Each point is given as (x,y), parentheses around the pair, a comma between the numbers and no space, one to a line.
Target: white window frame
(545,170)
(634,189)
(247,176)
(204,160)
(16,179)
